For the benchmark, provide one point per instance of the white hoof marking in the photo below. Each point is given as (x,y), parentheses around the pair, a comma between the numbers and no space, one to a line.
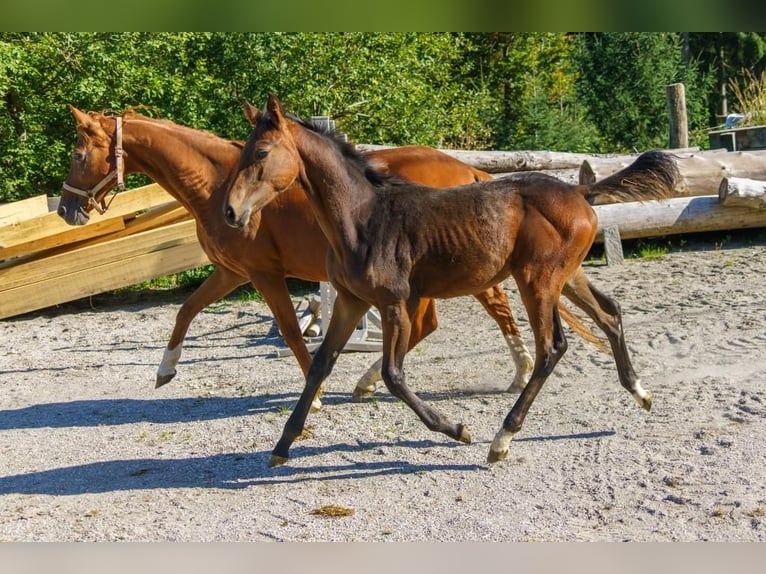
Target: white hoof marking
(170,359)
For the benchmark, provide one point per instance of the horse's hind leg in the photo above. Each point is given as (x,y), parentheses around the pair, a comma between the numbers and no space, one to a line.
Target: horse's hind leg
(396,333)
(550,346)
(346,313)
(608,316)
(495,301)
(220,283)
(423,323)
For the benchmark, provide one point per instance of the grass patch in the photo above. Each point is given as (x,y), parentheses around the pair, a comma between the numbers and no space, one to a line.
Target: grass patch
(652,251)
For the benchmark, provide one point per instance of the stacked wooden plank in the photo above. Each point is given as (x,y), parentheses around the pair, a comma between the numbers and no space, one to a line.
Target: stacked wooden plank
(43,261)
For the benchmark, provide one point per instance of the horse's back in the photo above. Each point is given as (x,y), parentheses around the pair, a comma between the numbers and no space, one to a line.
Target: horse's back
(425,165)
(489,228)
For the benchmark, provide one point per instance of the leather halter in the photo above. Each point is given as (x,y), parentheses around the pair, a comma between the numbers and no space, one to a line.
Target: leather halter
(119,169)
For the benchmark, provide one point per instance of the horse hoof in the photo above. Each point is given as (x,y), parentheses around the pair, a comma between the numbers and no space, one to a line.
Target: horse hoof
(495,456)
(316,406)
(645,401)
(642,396)
(516,387)
(277,460)
(163,379)
(465,436)
(361,394)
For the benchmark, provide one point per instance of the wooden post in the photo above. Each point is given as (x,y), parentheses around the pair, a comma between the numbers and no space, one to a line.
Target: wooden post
(679,130)
(613,246)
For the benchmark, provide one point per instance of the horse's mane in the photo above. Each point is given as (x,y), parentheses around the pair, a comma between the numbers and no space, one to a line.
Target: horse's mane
(347,149)
(133,113)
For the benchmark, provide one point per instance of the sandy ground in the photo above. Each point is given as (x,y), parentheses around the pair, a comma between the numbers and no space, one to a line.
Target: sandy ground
(92,452)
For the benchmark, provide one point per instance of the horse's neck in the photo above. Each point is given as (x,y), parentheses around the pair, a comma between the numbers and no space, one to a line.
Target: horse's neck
(338,196)
(186,167)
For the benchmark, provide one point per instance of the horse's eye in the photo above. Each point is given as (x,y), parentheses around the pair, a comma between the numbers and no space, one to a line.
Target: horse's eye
(261,154)
(79,156)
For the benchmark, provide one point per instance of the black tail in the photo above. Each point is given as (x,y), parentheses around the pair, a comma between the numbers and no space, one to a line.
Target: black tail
(654,175)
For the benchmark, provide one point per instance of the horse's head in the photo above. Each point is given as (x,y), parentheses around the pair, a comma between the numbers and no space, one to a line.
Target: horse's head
(96,163)
(269,164)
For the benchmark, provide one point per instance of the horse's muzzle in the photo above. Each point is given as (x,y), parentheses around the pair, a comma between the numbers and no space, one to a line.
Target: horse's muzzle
(232,220)
(73,216)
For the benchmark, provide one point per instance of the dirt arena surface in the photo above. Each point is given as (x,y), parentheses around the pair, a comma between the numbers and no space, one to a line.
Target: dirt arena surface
(91,451)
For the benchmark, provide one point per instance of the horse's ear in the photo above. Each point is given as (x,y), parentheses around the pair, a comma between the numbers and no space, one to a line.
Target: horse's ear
(81,117)
(275,109)
(252,114)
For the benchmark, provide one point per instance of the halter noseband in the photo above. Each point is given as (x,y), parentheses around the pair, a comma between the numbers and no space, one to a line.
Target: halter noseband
(118,172)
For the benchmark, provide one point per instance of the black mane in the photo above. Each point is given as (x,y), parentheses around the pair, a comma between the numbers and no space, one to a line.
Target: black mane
(349,151)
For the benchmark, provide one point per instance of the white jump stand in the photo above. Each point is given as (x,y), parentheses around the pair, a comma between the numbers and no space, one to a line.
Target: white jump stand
(366,337)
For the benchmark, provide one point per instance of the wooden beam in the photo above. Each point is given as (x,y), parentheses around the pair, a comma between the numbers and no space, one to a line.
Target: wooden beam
(679,131)
(93,256)
(131,201)
(16,211)
(742,191)
(510,161)
(674,216)
(100,268)
(46,231)
(118,274)
(13,242)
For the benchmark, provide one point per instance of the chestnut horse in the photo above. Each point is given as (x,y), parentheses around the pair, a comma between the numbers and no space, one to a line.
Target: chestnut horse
(393,243)
(284,240)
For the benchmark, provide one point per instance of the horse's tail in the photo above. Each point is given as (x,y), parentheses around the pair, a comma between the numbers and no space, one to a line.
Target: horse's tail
(654,175)
(578,327)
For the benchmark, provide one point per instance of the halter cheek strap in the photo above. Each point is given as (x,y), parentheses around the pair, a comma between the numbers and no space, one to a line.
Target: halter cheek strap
(118,172)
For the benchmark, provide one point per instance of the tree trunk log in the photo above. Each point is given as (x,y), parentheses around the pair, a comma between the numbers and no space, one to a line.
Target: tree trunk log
(742,191)
(511,161)
(500,162)
(701,173)
(673,216)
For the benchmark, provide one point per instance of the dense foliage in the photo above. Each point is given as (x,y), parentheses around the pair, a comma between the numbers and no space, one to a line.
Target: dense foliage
(566,92)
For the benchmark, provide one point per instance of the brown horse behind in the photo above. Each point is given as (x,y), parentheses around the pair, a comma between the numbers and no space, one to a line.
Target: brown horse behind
(284,240)
(393,243)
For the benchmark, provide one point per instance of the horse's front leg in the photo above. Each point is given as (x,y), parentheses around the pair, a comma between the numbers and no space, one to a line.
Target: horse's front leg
(346,313)
(220,283)
(395,317)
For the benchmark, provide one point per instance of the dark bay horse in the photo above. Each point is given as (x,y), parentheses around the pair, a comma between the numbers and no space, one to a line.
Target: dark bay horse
(393,243)
(284,240)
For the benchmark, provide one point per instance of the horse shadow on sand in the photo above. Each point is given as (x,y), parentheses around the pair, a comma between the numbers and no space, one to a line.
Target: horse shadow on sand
(234,470)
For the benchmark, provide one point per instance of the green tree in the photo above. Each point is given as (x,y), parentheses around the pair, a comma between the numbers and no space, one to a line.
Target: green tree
(387,88)
(382,88)
(623,83)
(45,72)
(724,56)
(532,78)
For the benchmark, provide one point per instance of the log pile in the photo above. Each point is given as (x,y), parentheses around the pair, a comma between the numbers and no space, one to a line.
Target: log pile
(718,191)
(43,261)
(146,234)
